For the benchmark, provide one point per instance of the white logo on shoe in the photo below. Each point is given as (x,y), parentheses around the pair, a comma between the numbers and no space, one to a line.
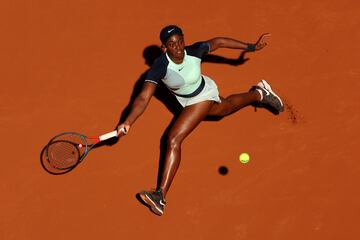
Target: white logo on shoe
(266,91)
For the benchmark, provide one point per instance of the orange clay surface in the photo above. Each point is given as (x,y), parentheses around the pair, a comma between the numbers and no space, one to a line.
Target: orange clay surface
(71,65)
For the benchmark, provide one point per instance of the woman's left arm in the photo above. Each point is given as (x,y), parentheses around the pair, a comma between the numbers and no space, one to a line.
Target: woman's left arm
(224,42)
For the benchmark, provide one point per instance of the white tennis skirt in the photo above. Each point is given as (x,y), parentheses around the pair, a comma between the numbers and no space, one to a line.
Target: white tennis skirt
(210,92)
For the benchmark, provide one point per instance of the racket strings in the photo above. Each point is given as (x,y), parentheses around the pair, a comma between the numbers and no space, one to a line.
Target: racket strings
(65,151)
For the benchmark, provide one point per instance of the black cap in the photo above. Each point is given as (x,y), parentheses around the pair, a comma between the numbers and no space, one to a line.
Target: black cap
(168,31)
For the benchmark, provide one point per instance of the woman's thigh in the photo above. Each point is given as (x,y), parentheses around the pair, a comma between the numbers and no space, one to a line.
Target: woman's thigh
(189,118)
(220,109)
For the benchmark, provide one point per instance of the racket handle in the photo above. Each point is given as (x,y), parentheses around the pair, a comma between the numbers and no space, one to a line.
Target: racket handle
(108,135)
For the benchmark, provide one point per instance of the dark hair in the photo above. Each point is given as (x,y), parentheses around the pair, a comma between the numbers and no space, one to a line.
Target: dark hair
(168,31)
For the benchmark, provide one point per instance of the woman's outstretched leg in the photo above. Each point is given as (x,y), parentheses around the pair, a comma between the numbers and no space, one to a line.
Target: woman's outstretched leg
(261,93)
(186,122)
(234,103)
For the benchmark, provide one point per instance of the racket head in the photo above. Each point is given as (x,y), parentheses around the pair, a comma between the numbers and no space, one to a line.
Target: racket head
(66,150)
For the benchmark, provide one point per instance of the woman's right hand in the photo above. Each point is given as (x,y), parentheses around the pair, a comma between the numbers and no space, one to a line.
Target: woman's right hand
(123,129)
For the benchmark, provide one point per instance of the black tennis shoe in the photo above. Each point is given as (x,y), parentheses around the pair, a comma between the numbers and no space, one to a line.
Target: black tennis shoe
(268,97)
(155,200)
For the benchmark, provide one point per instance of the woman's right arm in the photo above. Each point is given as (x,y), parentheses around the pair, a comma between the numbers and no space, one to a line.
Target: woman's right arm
(138,107)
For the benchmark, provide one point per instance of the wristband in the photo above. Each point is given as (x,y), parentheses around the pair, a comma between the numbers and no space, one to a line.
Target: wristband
(251,47)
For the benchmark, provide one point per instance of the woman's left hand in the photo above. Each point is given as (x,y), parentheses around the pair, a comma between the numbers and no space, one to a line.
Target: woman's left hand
(260,42)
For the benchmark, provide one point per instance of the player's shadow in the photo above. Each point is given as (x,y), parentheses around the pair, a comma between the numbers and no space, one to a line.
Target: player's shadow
(212,58)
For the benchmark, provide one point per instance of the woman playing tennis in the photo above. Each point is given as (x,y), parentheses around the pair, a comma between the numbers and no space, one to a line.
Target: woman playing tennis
(179,68)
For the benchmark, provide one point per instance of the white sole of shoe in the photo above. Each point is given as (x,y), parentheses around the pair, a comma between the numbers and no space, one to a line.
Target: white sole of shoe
(152,204)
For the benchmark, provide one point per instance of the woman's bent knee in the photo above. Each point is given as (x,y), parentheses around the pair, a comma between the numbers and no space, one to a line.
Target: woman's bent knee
(174,140)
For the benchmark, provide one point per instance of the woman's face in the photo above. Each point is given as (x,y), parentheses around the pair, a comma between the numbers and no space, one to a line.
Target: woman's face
(175,48)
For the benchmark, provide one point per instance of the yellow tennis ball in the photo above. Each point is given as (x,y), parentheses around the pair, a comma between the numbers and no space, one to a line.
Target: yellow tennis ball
(244,158)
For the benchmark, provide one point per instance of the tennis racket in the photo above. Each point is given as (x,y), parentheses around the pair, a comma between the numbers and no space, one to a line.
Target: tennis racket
(68,149)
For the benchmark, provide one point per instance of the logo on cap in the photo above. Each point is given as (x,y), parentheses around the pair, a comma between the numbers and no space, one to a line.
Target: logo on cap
(169,31)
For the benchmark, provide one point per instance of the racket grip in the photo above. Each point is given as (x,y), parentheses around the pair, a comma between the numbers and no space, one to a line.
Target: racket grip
(108,135)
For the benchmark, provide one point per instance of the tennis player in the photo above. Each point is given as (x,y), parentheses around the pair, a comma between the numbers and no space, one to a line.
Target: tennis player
(179,68)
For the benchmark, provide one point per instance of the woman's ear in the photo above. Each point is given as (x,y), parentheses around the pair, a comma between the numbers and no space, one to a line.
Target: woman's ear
(163,47)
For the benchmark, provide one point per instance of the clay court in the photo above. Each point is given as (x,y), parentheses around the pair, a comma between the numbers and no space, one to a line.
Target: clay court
(74,66)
